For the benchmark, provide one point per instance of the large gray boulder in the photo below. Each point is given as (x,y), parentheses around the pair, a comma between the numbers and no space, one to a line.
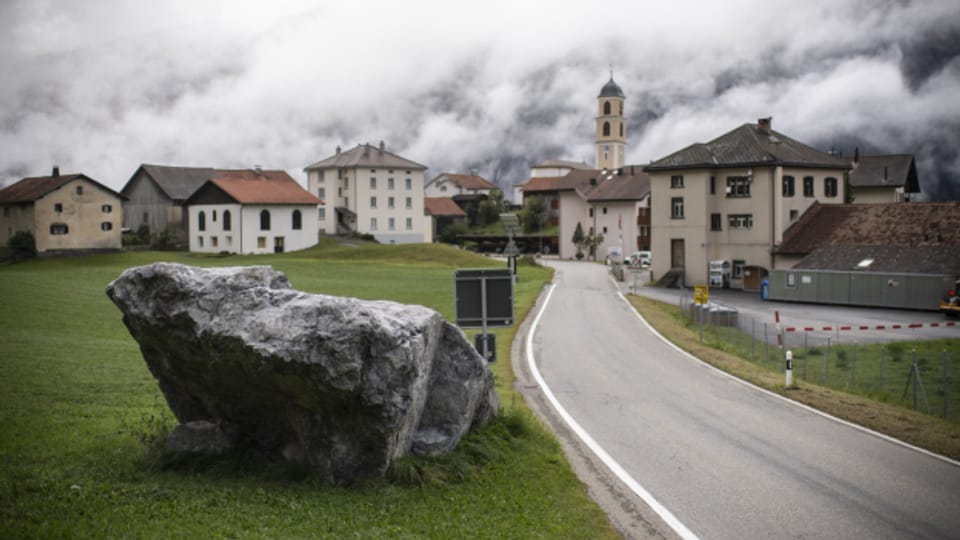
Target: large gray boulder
(344,385)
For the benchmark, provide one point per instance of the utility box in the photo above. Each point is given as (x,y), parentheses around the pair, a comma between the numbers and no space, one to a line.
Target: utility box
(719,273)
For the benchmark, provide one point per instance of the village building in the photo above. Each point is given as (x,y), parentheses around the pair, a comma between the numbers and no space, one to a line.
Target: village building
(884,178)
(443,212)
(466,190)
(155,195)
(731,199)
(610,200)
(371,191)
(551,168)
(252,212)
(65,213)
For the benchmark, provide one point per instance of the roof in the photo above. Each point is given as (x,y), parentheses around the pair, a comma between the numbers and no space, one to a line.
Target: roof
(560,163)
(748,145)
(178,183)
(892,170)
(897,225)
(888,259)
(37,187)
(611,89)
(466,181)
(442,206)
(365,155)
(247,186)
(627,183)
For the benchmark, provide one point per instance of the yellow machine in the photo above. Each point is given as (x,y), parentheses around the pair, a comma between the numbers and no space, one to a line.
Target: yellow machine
(950,304)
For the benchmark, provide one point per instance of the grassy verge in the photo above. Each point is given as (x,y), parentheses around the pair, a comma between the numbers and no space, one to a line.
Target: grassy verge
(931,433)
(80,411)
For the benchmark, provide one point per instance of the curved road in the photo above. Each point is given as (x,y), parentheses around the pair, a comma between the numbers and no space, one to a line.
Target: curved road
(726,459)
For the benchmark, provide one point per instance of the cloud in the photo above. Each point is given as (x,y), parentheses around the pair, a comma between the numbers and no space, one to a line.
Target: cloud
(102,86)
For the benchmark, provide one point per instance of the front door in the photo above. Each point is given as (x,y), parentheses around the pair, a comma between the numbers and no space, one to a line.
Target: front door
(676,253)
(278,244)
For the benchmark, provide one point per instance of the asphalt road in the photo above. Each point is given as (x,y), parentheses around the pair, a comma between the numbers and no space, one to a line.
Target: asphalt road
(726,459)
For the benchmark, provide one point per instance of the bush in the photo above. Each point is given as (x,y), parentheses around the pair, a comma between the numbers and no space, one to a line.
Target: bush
(451,233)
(22,245)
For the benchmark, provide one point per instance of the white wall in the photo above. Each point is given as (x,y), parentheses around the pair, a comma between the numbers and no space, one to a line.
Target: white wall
(245,234)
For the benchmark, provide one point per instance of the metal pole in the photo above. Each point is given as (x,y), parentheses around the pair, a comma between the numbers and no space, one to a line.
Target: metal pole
(753,337)
(882,348)
(806,355)
(945,385)
(483,315)
(853,365)
(766,344)
(826,363)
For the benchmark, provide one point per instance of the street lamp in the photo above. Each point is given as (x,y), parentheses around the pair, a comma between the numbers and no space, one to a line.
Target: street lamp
(511,222)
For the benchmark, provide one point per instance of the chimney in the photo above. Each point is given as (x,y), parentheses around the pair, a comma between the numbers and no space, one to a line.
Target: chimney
(631,171)
(764,124)
(338,149)
(257,170)
(56,171)
(856,155)
(382,147)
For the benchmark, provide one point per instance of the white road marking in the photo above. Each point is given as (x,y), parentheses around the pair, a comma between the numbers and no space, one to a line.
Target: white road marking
(607,460)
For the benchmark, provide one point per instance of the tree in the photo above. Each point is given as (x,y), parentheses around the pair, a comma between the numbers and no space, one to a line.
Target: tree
(578,240)
(490,208)
(451,233)
(533,215)
(592,242)
(22,245)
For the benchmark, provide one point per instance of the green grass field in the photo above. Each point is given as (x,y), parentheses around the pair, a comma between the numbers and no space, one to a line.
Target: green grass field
(79,410)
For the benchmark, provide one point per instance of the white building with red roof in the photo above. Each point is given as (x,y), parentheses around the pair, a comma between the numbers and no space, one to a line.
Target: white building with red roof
(252,212)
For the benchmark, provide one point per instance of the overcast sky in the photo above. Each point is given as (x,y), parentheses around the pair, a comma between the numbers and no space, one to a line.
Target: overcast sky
(99,86)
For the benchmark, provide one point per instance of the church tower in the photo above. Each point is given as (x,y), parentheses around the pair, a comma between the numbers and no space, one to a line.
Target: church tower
(611,127)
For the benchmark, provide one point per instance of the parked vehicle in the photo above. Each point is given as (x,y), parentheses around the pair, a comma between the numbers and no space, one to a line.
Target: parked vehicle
(640,258)
(950,304)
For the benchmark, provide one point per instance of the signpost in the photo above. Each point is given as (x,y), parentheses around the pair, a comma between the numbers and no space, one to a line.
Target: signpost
(484,298)
(701,294)
(511,222)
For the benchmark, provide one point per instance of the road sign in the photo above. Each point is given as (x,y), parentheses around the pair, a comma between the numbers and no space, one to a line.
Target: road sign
(701,293)
(484,297)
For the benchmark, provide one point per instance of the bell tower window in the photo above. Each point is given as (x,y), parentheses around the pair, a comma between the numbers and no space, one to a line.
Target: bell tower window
(606,129)
(606,108)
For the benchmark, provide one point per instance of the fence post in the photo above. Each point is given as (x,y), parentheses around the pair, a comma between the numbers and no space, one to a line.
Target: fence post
(945,385)
(826,363)
(766,343)
(753,336)
(853,365)
(806,355)
(882,348)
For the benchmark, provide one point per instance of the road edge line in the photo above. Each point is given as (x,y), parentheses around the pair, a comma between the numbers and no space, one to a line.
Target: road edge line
(585,437)
(785,398)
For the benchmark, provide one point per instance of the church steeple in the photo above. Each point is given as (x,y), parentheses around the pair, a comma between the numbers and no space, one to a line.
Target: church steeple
(611,126)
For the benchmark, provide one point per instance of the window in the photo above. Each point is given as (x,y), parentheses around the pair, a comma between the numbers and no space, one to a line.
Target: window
(791,279)
(740,221)
(716,221)
(808,186)
(59,228)
(322,193)
(214,241)
(373,202)
(145,216)
(373,224)
(389,183)
(606,108)
(676,208)
(213,215)
(339,192)
(738,269)
(106,226)
(738,186)
(264,221)
(261,242)
(591,211)
(409,202)
(79,190)
(346,202)
(604,229)
(373,182)
(297,220)
(408,184)
(409,223)
(202,221)
(106,209)
(788,187)
(391,224)
(676,181)
(830,186)
(56,208)
(200,241)
(322,213)
(604,210)
(389,202)
(621,130)
(794,214)
(713,185)
(606,129)
(227,223)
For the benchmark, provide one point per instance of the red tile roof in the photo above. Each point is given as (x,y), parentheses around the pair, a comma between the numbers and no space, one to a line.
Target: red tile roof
(31,189)
(247,186)
(442,206)
(468,181)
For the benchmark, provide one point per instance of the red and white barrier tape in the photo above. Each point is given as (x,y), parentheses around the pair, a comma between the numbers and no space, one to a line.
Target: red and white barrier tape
(845,328)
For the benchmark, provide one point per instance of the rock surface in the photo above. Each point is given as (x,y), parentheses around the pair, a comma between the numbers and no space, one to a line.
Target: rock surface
(345,385)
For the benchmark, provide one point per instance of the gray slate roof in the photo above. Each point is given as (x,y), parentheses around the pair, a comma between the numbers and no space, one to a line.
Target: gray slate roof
(365,155)
(892,170)
(748,146)
(611,89)
(892,259)
(177,182)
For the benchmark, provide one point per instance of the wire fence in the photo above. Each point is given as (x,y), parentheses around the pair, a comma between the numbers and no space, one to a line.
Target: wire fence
(922,375)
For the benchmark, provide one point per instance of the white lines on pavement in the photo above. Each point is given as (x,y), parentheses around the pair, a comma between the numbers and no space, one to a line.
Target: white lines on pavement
(786,399)
(607,460)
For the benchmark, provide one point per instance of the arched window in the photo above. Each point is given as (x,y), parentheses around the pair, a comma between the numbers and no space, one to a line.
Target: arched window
(202,221)
(264,220)
(606,129)
(297,220)
(226,220)
(621,130)
(606,107)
